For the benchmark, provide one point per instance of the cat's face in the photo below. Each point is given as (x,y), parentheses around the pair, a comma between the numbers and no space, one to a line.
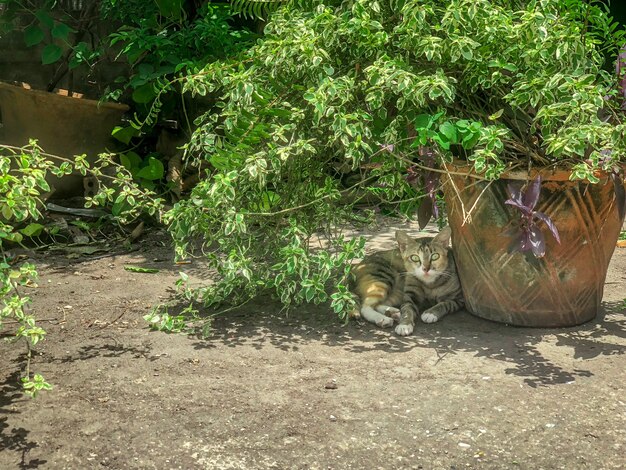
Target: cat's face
(426,259)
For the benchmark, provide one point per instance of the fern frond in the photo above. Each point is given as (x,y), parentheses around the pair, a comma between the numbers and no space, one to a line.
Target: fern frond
(260,9)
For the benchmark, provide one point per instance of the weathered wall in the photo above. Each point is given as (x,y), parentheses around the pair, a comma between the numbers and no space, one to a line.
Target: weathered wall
(19,63)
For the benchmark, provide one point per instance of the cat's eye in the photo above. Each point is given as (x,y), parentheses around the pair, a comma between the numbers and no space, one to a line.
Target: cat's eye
(434,256)
(414,258)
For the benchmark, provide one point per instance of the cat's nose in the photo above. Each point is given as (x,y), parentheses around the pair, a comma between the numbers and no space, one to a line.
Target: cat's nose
(425,268)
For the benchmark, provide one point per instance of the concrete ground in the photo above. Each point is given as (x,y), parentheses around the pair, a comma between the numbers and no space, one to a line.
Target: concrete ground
(303,391)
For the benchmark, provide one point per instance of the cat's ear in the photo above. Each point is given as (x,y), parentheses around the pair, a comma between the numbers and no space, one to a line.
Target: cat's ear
(443,237)
(403,240)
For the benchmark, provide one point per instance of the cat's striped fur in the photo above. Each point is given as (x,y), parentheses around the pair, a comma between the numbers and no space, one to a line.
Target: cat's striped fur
(419,275)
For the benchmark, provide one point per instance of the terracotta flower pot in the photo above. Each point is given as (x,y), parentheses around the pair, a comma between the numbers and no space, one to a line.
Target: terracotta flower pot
(63,126)
(500,283)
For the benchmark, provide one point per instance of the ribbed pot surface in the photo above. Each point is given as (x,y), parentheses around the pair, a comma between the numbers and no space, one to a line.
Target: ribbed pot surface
(563,288)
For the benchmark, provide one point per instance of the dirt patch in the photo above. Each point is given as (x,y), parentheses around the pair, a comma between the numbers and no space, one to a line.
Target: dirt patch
(304,391)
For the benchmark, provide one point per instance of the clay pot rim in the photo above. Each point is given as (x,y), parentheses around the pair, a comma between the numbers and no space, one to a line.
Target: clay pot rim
(464,168)
(56,96)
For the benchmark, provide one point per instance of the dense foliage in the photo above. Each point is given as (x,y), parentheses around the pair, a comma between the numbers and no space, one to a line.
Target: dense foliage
(23,184)
(157,41)
(162,39)
(350,99)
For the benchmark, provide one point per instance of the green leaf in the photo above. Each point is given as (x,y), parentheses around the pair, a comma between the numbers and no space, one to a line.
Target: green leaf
(120,207)
(131,161)
(470,140)
(496,115)
(449,130)
(61,31)
(145,70)
(442,141)
(144,93)
(309,293)
(124,134)
(13,237)
(468,54)
(81,224)
(220,162)
(136,269)
(50,54)
(44,18)
(6,212)
(33,35)
(81,50)
(422,121)
(268,200)
(170,8)
(153,171)
(32,230)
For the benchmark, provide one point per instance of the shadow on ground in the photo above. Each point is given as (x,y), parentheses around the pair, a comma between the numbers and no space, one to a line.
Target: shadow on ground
(521,348)
(115,350)
(12,438)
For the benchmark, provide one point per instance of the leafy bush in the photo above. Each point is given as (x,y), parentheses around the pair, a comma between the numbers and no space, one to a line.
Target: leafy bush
(23,173)
(161,39)
(380,91)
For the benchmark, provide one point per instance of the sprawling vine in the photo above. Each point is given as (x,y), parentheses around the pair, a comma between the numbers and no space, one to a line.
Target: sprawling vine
(23,186)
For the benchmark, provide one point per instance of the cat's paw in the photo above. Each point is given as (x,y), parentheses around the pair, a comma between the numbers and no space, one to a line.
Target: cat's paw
(392,312)
(385,322)
(404,330)
(428,317)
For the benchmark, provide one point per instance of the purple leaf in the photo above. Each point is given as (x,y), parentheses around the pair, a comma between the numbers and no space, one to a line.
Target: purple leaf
(515,192)
(519,205)
(531,194)
(433,198)
(424,212)
(537,241)
(524,241)
(548,221)
(431,181)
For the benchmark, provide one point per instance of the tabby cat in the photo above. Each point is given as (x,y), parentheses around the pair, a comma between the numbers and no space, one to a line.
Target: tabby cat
(399,283)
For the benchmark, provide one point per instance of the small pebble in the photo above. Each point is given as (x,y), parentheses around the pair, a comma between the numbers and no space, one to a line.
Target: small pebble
(332,385)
